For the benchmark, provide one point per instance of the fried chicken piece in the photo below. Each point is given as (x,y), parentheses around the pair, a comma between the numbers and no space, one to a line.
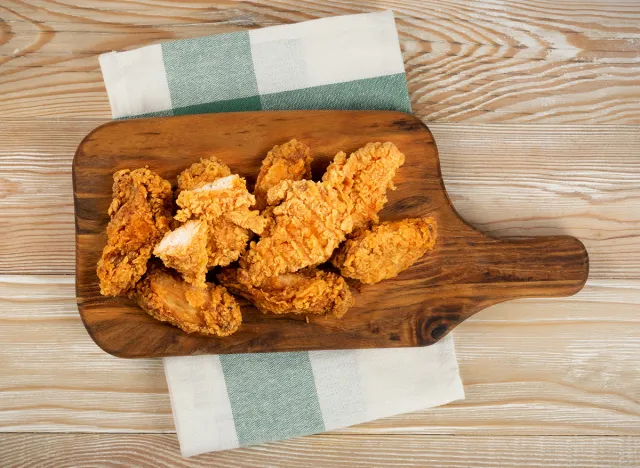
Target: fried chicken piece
(309,222)
(225,205)
(269,219)
(185,250)
(140,215)
(227,242)
(310,219)
(166,297)
(202,173)
(365,177)
(226,198)
(386,250)
(290,161)
(308,291)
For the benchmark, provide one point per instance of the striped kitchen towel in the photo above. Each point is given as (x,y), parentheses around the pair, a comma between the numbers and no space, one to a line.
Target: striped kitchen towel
(347,62)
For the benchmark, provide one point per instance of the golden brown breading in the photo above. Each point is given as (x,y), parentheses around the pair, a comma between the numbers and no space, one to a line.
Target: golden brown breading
(225,205)
(365,177)
(140,215)
(185,250)
(227,241)
(386,250)
(290,161)
(226,198)
(309,222)
(307,291)
(269,220)
(166,297)
(310,219)
(202,173)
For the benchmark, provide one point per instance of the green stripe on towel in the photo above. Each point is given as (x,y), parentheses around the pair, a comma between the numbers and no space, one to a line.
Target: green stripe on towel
(382,93)
(209,69)
(256,384)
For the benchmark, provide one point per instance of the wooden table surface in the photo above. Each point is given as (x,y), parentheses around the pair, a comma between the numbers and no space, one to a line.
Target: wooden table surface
(535,106)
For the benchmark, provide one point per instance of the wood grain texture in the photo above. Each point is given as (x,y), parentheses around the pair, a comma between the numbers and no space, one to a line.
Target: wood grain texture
(36,197)
(552,366)
(466,271)
(480,62)
(562,366)
(508,180)
(72,450)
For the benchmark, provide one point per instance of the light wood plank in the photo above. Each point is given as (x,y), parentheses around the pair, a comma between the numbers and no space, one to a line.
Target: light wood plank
(55,378)
(36,195)
(531,61)
(508,180)
(71,450)
(565,366)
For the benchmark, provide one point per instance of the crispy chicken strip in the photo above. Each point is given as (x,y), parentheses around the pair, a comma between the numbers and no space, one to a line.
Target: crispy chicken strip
(290,161)
(310,219)
(308,291)
(227,242)
(225,205)
(226,198)
(386,250)
(185,250)
(166,297)
(140,215)
(309,222)
(365,177)
(202,173)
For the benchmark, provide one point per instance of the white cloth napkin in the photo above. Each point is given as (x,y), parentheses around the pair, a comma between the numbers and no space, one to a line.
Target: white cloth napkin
(346,62)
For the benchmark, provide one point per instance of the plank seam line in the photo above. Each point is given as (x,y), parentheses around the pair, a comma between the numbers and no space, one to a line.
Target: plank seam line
(347,434)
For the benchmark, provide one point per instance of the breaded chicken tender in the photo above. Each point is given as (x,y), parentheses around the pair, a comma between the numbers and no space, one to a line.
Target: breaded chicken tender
(289,161)
(309,222)
(166,297)
(202,173)
(140,215)
(386,250)
(365,177)
(307,291)
(225,204)
(185,250)
(310,219)
(226,198)
(227,242)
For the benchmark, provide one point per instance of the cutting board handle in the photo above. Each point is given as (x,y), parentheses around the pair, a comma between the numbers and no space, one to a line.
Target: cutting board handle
(501,270)
(549,266)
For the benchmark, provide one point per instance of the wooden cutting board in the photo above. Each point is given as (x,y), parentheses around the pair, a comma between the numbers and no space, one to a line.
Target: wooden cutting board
(466,272)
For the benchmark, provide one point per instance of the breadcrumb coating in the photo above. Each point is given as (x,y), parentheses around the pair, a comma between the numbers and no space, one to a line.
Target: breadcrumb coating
(225,204)
(386,250)
(307,291)
(168,298)
(308,223)
(202,173)
(289,161)
(310,219)
(140,215)
(365,176)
